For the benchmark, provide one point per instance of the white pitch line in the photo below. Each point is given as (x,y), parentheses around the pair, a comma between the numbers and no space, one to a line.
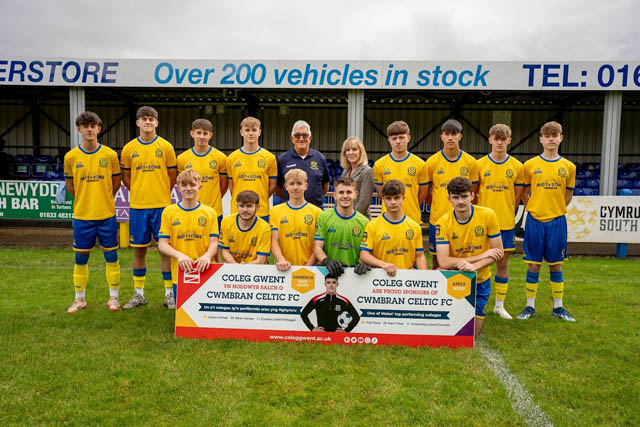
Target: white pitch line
(520,398)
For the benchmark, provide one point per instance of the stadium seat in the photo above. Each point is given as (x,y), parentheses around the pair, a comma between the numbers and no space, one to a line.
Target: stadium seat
(623,183)
(584,175)
(578,191)
(591,166)
(635,191)
(633,167)
(579,183)
(592,183)
(635,183)
(628,175)
(21,167)
(590,191)
(624,192)
(54,175)
(40,166)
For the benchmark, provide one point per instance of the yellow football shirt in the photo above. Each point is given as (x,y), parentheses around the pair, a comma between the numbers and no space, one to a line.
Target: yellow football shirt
(440,171)
(252,171)
(149,163)
(210,166)
(296,230)
(410,171)
(394,242)
(471,237)
(245,245)
(497,190)
(92,174)
(549,180)
(188,230)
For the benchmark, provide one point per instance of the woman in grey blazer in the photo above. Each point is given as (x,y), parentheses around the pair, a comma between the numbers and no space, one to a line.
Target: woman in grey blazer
(353,158)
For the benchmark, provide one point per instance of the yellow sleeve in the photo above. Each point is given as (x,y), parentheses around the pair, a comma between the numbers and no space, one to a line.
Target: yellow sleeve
(493,228)
(377,173)
(418,233)
(68,166)
(170,156)
(264,242)
(222,168)
(571,177)
(125,158)
(214,231)
(428,171)
(368,239)
(474,175)
(442,233)
(526,177)
(165,225)
(180,162)
(272,167)
(115,164)
(229,167)
(423,176)
(520,176)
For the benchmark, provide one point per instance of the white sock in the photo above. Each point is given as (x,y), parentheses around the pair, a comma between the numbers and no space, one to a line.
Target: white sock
(499,303)
(557,302)
(168,291)
(531,302)
(114,292)
(139,291)
(80,294)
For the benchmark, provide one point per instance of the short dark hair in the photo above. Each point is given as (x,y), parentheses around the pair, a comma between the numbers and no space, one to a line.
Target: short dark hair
(147,111)
(459,185)
(203,124)
(344,180)
(248,196)
(88,118)
(330,276)
(451,126)
(392,188)
(398,127)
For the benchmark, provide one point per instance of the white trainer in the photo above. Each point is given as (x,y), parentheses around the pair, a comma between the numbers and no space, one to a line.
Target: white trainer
(500,311)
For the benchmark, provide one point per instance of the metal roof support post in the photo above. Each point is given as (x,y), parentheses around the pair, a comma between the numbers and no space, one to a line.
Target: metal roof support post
(610,143)
(355,113)
(76,106)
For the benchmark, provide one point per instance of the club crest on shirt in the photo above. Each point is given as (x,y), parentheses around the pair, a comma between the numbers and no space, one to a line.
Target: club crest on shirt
(158,152)
(479,231)
(562,172)
(464,171)
(411,170)
(308,219)
(254,241)
(313,165)
(356,231)
(510,173)
(213,164)
(202,221)
(409,234)
(103,162)
(262,164)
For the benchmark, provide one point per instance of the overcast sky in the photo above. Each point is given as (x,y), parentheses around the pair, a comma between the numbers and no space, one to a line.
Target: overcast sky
(323,30)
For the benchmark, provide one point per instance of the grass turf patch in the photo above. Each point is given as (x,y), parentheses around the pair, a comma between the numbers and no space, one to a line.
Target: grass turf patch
(102,367)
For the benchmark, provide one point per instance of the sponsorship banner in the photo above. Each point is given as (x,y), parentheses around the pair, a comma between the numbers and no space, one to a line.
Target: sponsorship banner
(432,75)
(260,303)
(604,219)
(33,200)
(122,202)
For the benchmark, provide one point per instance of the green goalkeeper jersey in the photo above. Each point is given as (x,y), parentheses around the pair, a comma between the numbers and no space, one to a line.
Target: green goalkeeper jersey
(341,235)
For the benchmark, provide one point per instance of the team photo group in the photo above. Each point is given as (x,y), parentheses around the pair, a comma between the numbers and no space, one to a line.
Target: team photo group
(472,205)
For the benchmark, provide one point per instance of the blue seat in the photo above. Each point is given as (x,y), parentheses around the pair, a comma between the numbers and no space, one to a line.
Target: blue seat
(54,175)
(623,183)
(635,191)
(338,171)
(591,166)
(624,192)
(21,166)
(590,191)
(634,167)
(40,165)
(579,183)
(578,191)
(592,183)
(628,175)
(584,175)
(635,183)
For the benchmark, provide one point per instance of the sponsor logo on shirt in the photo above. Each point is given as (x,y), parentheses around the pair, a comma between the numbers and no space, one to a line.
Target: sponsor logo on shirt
(487,173)
(386,172)
(537,171)
(331,229)
(385,236)
(440,171)
(188,166)
(135,155)
(284,220)
(176,222)
(79,165)
(238,164)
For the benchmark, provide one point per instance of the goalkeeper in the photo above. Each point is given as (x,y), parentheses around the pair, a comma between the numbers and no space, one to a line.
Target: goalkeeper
(340,230)
(329,306)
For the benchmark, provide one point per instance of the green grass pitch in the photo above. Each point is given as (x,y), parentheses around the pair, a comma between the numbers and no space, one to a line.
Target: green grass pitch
(99,367)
